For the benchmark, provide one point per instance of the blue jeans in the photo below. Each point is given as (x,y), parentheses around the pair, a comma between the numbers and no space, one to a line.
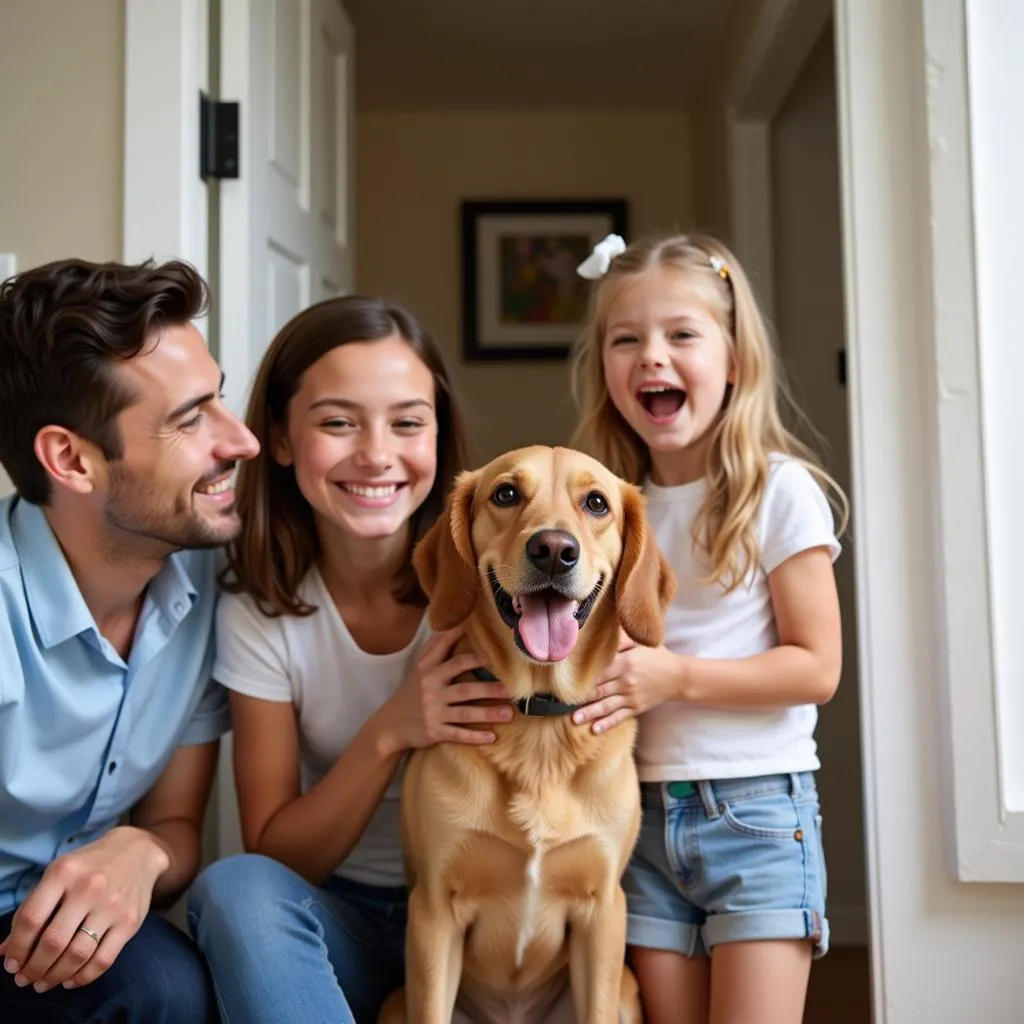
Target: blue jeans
(159,978)
(728,861)
(285,951)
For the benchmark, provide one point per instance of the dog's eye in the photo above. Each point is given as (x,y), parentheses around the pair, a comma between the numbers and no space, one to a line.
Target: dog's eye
(595,503)
(505,495)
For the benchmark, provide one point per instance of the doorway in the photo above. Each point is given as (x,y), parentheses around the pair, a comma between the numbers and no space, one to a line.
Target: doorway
(677,162)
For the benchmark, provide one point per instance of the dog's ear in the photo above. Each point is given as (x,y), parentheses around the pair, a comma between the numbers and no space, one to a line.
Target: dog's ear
(444,560)
(645,582)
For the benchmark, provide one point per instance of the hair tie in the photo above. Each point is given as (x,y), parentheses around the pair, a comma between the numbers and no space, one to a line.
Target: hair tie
(600,259)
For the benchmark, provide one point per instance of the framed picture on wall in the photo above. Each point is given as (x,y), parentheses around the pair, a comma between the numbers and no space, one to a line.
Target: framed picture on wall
(521,295)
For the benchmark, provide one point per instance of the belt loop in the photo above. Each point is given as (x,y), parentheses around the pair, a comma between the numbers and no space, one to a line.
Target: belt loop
(707,796)
(796,787)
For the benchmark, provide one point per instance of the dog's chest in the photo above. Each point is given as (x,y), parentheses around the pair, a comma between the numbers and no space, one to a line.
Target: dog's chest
(542,823)
(562,862)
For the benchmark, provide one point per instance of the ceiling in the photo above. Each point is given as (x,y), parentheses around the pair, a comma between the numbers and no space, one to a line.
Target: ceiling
(533,54)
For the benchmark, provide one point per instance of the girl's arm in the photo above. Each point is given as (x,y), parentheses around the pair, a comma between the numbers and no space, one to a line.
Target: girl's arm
(313,832)
(805,666)
(803,669)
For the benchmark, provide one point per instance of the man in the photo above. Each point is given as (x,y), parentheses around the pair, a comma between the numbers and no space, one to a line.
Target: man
(115,435)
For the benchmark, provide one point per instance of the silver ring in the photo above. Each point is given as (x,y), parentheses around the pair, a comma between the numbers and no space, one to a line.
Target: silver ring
(88,931)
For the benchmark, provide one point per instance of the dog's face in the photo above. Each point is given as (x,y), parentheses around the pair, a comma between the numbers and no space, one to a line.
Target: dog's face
(544,543)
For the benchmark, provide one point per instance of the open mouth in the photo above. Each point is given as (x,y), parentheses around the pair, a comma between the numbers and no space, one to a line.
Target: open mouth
(661,402)
(546,622)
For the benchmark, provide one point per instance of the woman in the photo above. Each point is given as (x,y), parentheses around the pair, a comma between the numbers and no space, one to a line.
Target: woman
(323,643)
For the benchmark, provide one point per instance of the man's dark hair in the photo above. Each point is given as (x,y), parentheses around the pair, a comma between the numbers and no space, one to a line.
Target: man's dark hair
(63,328)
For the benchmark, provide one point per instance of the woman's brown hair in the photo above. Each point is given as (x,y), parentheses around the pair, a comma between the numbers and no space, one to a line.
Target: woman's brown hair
(278,543)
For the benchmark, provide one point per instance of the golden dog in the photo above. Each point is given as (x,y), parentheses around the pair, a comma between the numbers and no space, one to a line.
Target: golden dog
(515,850)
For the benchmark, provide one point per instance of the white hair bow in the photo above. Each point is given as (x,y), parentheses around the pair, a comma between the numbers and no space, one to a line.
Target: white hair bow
(597,263)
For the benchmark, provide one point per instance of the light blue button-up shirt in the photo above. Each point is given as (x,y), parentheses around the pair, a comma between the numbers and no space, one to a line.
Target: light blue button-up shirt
(83,734)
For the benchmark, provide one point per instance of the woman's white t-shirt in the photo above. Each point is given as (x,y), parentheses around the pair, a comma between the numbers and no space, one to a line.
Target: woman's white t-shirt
(677,741)
(313,663)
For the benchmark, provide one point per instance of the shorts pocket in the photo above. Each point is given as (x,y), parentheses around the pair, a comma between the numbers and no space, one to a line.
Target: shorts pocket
(771,817)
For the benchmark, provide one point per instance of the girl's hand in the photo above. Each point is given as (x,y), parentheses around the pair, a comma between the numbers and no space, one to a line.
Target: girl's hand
(639,679)
(429,708)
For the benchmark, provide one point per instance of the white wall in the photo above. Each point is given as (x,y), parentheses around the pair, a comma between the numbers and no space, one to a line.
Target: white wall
(944,952)
(808,305)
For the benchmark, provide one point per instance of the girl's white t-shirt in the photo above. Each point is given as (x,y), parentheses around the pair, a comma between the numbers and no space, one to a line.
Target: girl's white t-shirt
(680,742)
(313,663)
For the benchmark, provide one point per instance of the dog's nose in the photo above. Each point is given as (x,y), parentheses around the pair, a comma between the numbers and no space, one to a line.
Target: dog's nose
(553,551)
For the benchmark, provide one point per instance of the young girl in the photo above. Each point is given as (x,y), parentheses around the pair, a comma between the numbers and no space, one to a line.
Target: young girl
(726,890)
(324,644)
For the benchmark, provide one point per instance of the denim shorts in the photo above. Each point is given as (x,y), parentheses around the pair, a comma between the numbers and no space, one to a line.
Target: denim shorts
(729,861)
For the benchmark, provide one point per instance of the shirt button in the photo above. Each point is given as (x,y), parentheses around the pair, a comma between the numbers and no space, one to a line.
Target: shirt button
(111,768)
(178,607)
(70,840)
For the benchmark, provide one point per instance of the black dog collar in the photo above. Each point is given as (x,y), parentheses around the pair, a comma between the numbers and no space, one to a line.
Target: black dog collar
(538,705)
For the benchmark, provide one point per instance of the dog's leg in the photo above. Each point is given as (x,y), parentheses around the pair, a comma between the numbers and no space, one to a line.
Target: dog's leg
(433,968)
(630,1011)
(597,951)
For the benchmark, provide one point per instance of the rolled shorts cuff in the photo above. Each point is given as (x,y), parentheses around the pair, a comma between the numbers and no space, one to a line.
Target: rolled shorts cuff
(768,925)
(659,933)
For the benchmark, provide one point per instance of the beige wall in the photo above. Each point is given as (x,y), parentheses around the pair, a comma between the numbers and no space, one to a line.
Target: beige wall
(810,320)
(413,170)
(62,83)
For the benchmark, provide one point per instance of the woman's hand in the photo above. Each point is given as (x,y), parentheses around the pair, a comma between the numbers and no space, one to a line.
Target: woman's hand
(429,708)
(639,679)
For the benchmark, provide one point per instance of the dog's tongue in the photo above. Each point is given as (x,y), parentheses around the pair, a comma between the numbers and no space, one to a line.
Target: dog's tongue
(547,626)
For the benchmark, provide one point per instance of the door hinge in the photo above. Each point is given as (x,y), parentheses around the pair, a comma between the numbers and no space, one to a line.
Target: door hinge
(218,138)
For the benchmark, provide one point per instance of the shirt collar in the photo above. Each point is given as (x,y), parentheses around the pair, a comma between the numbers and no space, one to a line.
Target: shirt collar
(55,603)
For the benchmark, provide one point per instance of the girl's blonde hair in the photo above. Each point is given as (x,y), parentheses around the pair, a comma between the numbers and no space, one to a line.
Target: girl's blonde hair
(749,429)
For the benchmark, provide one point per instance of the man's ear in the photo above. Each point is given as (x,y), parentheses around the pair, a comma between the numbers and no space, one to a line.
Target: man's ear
(69,460)
(645,582)
(444,560)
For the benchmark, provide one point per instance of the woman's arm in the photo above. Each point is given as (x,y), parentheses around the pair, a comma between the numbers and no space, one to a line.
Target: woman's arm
(313,832)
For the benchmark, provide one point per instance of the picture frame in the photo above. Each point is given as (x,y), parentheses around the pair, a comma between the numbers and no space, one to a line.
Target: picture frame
(521,296)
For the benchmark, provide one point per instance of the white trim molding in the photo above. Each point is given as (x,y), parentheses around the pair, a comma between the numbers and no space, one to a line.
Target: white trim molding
(885,287)
(776,51)
(974,87)
(166,67)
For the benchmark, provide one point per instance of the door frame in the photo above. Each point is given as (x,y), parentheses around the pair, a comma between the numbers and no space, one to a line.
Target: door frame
(777,49)
(890,287)
(166,202)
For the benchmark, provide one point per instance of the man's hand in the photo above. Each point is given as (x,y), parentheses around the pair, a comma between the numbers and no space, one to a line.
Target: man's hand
(87,905)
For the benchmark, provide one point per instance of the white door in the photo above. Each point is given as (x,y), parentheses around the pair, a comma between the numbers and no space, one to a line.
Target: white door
(286,222)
